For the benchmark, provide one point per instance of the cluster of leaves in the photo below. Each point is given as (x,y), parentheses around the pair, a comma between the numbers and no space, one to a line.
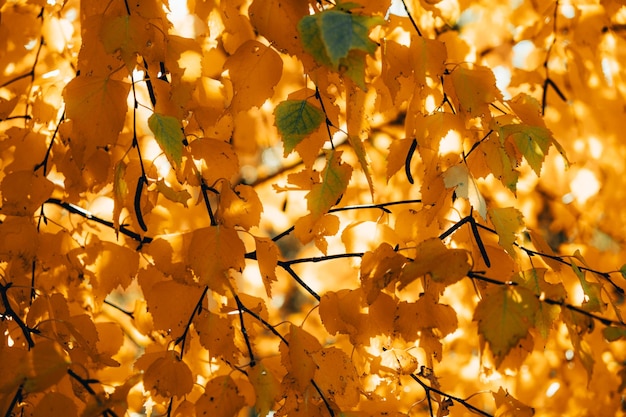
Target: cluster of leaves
(311,208)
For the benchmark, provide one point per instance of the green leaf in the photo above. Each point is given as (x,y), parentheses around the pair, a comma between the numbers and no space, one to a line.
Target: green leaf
(622,271)
(295,120)
(613,333)
(335,178)
(334,36)
(504,315)
(532,141)
(168,132)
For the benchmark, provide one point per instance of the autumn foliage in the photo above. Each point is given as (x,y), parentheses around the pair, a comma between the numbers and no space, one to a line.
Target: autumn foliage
(312,208)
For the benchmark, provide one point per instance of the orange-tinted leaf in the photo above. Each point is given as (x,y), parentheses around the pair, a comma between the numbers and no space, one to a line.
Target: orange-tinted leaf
(23,192)
(336,376)
(216,334)
(54,404)
(254,69)
(240,206)
(276,20)
(267,257)
(213,251)
(215,159)
(85,97)
(310,228)
(378,269)
(508,406)
(221,398)
(46,364)
(443,265)
(425,313)
(171,303)
(266,388)
(168,376)
(302,345)
(181,196)
(115,266)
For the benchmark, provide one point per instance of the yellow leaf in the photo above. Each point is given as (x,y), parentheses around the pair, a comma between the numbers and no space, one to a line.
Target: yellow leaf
(474,89)
(504,316)
(240,206)
(178,196)
(379,269)
(425,313)
(443,265)
(459,178)
(508,222)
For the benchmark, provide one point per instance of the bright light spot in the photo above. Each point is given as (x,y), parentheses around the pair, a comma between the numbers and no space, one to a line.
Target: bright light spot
(568,11)
(569,354)
(451,143)
(585,185)
(9,340)
(137,75)
(397,8)
(521,51)
(503,79)
(552,389)
(31,44)
(595,147)
(51,74)
(609,67)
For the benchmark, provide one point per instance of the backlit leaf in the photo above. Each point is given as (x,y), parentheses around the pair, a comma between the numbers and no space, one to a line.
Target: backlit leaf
(330,35)
(266,388)
(508,406)
(508,222)
(465,185)
(504,316)
(441,264)
(221,398)
(216,334)
(254,69)
(334,181)
(296,119)
(475,88)
(169,135)
(532,141)
(85,97)
(302,345)
(213,251)
(23,192)
(267,257)
(240,206)
(168,376)
(181,196)
(337,376)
